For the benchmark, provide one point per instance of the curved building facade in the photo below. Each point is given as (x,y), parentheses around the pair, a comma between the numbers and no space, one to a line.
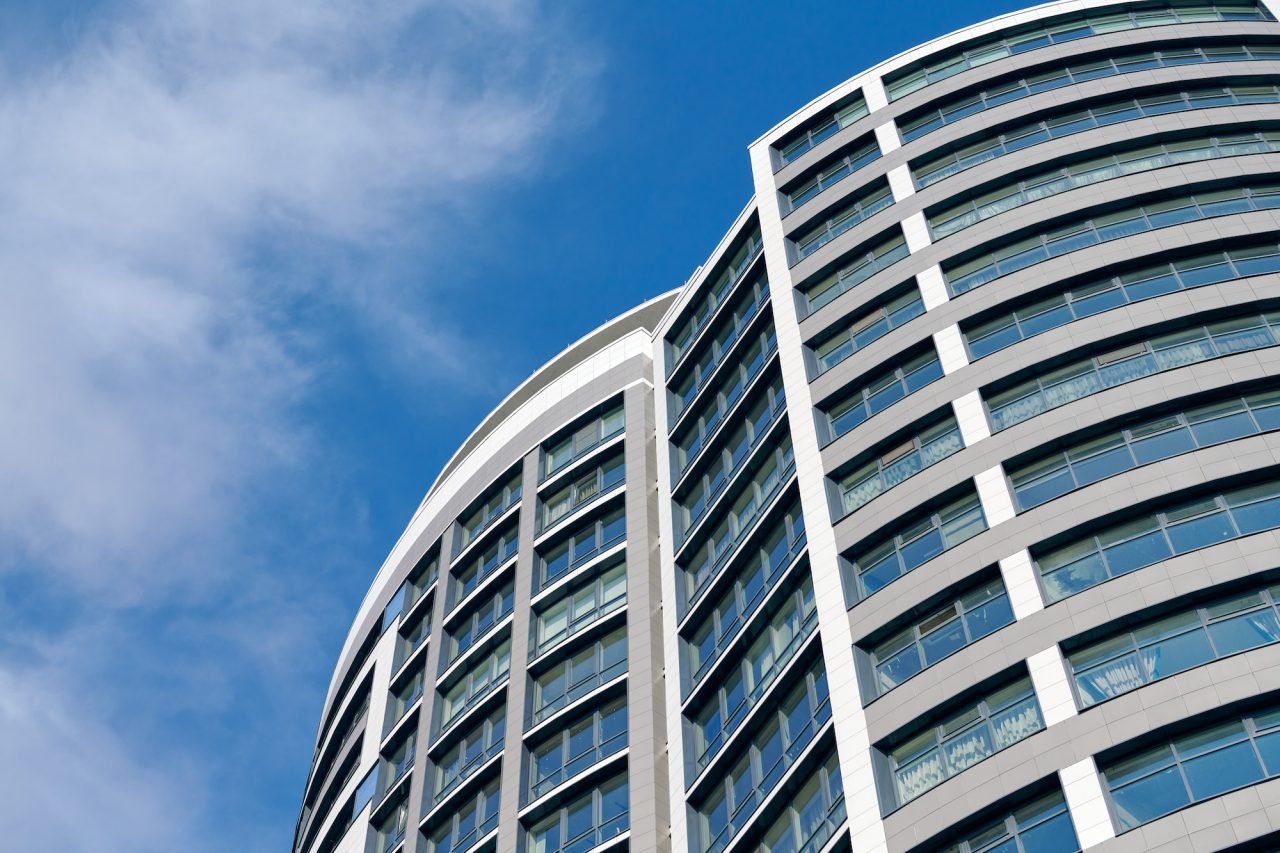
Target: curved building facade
(938,510)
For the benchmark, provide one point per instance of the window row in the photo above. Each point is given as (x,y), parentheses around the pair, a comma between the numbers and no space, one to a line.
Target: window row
(467,575)
(871,396)
(585,822)
(480,621)
(583,489)
(1049,475)
(833,172)
(1144,158)
(578,674)
(395,765)
(1058,30)
(917,124)
(768,467)
(890,466)
(408,594)
(1059,124)
(1095,373)
(474,818)
(766,406)
(735,268)
(779,741)
(411,636)
(742,685)
(732,325)
(1179,528)
(907,546)
(825,126)
(863,263)
(488,510)
(476,683)
(814,815)
(1042,825)
(582,440)
(858,209)
(872,325)
(474,748)
(1147,282)
(582,744)
(581,606)
(759,573)
(588,540)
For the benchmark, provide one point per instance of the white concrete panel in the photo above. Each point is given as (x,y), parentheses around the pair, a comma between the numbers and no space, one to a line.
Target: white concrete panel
(993,491)
(971,417)
(1020,583)
(1082,789)
(916,231)
(1053,687)
(933,287)
(900,182)
(887,137)
(950,347)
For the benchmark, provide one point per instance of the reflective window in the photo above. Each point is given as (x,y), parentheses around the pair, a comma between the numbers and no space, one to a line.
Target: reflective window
(467,574)
(474,748)
(814,815)
(781,737)
(1217,758)
(579,673)
(832,172)
(975,207)
(921,759)
(582,490)
(688,329)
(581,606)
(871,326)
(403,696)
(1171,644)
(741,685)
(1180,527)
(877,562)
(946,630)
(412,635)
(586,822)
(748,427)
(1049,475)
(862,263)
(588,540)
(581,441)
(479,621)
(488,510)
(397,763)
(917,123)
(768,470)
(860,207)
(390,829)
(473,819)
(728,332)
(476,683)
(1058,30)
(823,127)
(1041,825)
(872,395)
(902,458)
(1068,237)
(1088,376)
(1146,282)
(582,744)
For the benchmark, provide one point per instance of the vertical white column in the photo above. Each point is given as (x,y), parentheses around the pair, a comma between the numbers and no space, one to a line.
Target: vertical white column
(993,492)
(1053,688)
(852,742)
(1082,789)
(1020,583)
(900,182)
(950,347)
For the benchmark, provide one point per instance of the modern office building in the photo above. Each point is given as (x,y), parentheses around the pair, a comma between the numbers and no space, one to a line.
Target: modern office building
(937,511)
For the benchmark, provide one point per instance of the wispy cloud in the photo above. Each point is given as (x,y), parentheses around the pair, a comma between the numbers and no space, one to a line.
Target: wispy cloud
(193,191)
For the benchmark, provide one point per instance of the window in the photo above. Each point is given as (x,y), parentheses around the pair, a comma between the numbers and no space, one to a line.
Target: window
(687,330)
(586,742)
(944,631)
(823,127)
(480,621)
(871,396)
(403,697)
(1146,282)
(586,822)
(895,461)
(582,490)
(1180,527)
(1151,155)
(1159,648)
(474,818)
(909,545)
(864,262)
(578,674)
(832,172)
(732,381)
(485,675)
(398,763)
(861,207)
(582,440)
(742,685)
(582,606)
(389,830)
(1068,237)
(474,748)
(920,122)
(771,468)
(1059,124)
(1197,766)
(921,759)
(468,574)
(413,635)
(1041,825)
(728,334)
(1048,475)
(813,816)
(765,407)
(588,540)
(758,573)
(871,326)
(1087,376)
(1057,30)
(780,739)
(492,507)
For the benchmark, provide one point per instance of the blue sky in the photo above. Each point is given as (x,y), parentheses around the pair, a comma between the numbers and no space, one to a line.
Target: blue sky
(264,266)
